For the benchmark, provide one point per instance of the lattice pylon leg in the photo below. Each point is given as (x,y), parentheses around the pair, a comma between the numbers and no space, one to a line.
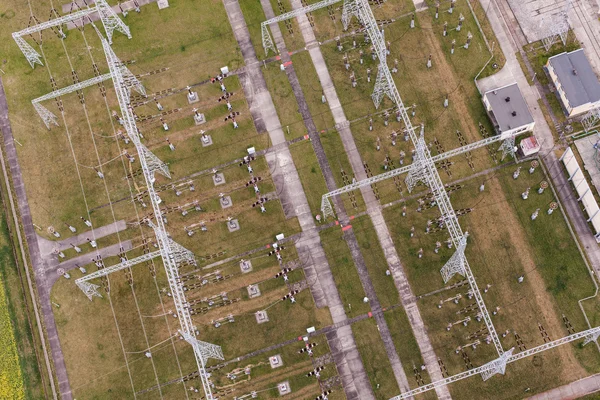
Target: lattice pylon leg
(32,56)
(326,207)
(508,147)
(497,366)
(46,115)
(349,9)
(208,350)
(417,172)
(456,263)
(180,253)
(132,82)
(89,289)
(415,176)
(382,87)
(267,41)
(111,20)
(563,35)
(591,119)
(154,163)
(592,337)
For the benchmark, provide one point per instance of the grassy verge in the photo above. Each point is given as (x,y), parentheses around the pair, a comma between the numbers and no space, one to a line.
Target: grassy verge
(311,87)
(17,320)
(344,272)
(375,260)
(310,174)
(284,100)
(375,360)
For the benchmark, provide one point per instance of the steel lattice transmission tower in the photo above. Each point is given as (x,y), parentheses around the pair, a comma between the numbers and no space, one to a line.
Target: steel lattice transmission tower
(557,30)
(425,169)
(327,209)
(171,253)
(498,366)
(109,18)
(90,289)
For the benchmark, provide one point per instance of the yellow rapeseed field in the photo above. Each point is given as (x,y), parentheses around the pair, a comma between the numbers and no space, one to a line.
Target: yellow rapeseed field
(11,381)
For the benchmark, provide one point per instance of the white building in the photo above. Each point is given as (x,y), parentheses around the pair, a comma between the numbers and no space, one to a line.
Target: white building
(576,83)
(508,111)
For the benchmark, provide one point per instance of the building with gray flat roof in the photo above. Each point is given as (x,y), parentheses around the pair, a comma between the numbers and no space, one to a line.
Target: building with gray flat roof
(507,110)
(576,83)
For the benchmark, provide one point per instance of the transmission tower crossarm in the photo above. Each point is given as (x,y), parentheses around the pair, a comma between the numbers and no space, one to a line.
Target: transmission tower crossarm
(118,267)
(55,22)
(73,88)
(300,11)
(402,170)
(589,334)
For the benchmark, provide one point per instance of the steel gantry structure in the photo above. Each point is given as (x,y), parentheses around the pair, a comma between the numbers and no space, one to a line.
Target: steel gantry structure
(327,209)
(46,115)
(172,254)
(423,168)
(267,41)
(108,16)
(91,289)
(498,366)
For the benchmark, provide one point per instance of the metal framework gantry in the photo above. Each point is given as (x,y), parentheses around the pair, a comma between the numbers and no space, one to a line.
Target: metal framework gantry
(558,31)
(591,119)
(423,168)
(171,253)
(91,290)
(498,366)
(327,209)
(109,18)
(46,115)
(267,41)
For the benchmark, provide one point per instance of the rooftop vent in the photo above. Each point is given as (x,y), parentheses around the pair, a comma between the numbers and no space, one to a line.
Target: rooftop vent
(574,71)
(507,99)
(514,113)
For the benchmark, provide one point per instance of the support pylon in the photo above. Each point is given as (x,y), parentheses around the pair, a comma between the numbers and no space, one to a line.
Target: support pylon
(497,366)
(180,253)
(349,9)
(154,163)
(89,289)
(46,115)
(592,337)
(508,147)
(417,172)
(111,21)
(326,207)
(32,56)
(267,41)
(382,87)
(456,263)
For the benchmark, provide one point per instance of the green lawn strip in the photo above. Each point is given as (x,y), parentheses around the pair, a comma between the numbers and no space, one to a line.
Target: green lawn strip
(284,100)
(19,357)
(338,161)
(310,174)
(375,359)
(344,272)
(254,16)
(313,92)
(375,260)
(406,345)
